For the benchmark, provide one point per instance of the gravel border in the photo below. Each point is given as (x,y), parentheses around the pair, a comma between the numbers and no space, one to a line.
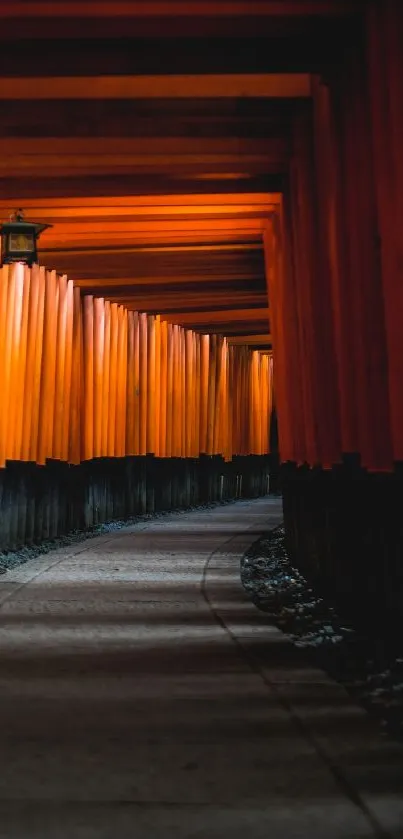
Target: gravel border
(370,667)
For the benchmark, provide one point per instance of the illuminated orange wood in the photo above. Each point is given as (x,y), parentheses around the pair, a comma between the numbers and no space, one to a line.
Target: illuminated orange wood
(99,367)
(75,430)
(88,378)
(113,380)
(143,336)
(197,354)
(60,383)
(181,394)
(13,330)
(151,385)
(157,391)
(211,397)
(121,392)
(23,391)
(68,371)
(64,207)
(189,395)
(177,395)
(184,411)
(48,383)
(137,412)
(222,433)
(106,380)
(246,408)
(30,378)
(130,445)
(4,383)
(163,378)
(204,385)
(170,444)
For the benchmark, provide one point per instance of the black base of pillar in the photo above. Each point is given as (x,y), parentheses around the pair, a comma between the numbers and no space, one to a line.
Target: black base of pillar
(41,503)
(344,531)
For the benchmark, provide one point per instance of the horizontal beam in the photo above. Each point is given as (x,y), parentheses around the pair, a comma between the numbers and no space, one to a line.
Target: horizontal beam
(175,8)
(20,188)
(250,340)
(108,230)
(307,51)
(189,278)
(188,167)
(102,205)
(264,85)
(227,316)
(229,330)
(231,247)
(182,302)
(143,146)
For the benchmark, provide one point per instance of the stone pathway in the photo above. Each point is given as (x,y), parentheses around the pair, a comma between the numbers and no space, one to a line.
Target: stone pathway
(142,696)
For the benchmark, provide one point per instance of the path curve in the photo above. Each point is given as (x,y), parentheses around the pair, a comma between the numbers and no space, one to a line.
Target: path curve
(142,696)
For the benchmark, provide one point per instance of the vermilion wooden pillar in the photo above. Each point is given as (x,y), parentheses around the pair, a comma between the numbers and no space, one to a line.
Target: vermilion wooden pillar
(77,372)
(296,360)
(304,356)
(385,67)
(349,205)
(326,399)
(303,242)
(283,326)
(333,232)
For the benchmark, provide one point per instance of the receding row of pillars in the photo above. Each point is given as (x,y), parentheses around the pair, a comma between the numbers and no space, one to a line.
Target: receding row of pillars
(335,259)
(40,503)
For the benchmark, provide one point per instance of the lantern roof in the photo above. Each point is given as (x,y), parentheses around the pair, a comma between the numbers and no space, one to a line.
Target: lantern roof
(18,222)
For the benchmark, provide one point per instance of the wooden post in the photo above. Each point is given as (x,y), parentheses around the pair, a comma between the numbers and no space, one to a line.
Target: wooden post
(23,395)
(131,386)
(68,371)
(143,383)
(151,385)
(11,356)
(113,380)
(76,383)
(197,356)
(61,335)
(385,23)
(48,381)
(204,389)
(189,396)
(99,372)
(137,388)
(211,394)
(177,403)
(157,388)
(87,451)
(182,357)
(121,389)
(30,378)
(170,444)
(163,377)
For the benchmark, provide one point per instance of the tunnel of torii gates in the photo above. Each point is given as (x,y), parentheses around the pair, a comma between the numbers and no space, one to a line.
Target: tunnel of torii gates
(224,185)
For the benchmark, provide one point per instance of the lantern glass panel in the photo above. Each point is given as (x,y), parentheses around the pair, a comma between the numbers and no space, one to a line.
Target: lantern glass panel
(21,242)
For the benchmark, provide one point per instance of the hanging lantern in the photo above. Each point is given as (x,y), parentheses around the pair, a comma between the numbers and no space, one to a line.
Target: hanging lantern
(19,238)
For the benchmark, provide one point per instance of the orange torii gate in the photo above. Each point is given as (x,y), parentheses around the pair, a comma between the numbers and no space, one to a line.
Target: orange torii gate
(83,378)
(143,406)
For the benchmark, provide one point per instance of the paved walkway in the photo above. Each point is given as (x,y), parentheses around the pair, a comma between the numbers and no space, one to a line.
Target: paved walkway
(143,697)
